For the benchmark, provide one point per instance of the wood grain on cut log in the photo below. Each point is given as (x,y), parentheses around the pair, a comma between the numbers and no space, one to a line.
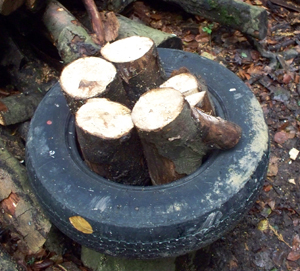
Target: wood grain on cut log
(193,88)
(91,77)
(138,64)
(171,138)
(70,37)
(109,142)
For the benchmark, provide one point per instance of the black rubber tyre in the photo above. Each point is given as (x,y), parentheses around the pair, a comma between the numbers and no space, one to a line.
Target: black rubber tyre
(160,221)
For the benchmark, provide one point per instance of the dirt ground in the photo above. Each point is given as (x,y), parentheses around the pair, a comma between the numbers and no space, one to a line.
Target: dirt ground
(268,237)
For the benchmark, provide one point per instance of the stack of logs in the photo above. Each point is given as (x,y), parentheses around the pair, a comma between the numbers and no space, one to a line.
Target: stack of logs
(133,125)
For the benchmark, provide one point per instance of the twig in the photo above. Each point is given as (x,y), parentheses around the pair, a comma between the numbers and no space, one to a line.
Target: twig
(96,20)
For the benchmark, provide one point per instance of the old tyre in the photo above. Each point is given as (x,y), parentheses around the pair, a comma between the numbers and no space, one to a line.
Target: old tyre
(150,222)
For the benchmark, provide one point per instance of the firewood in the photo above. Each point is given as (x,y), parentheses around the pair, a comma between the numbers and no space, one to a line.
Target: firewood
(202,101)
(217,132)
(162,39)
(193,88)
(249,19)
(21,212)
(138,64)
(109,143)
(18,108)
(70,37)
(91,77)
(176,137)
(171,138)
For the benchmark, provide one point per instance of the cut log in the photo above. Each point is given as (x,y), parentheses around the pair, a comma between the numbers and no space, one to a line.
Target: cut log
(186,83)
(138,64)
(202,101)
(171,138)
(20,210)
(248,19)
(176,137)
(193,88)
(8,6)
(109,143)
(91,77)
(161,39)
(128,28)
(217,132)
(18,108)
(70,37)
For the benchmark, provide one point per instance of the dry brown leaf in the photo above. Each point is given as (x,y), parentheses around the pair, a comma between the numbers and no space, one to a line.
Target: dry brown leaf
(281,137)
(273,167)
(294,256)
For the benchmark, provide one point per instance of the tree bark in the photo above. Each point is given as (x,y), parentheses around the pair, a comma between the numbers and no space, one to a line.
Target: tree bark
(162,39)
(91,77)
(138,64)
(18,108)
(171,138)
(96,20)
(217,133)
(109,142)
(176,137)
(248,19)
(21,212)
(70,37)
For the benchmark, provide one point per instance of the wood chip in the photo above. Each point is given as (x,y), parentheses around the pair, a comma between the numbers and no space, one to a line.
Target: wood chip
(293,153)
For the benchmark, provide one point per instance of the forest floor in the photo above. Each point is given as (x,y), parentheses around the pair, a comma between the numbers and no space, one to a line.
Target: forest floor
(268,237)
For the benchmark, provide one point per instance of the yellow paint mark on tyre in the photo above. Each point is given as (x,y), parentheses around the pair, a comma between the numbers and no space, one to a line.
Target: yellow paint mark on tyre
(80,224)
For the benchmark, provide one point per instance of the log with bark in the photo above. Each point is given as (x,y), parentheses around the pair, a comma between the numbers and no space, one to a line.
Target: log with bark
(70,37)
(161,39)
(176,137)
(109,143)
(91,77)
(193,88)
(27,73)
(247,18)
(138,64)
(20,210)
(18,108)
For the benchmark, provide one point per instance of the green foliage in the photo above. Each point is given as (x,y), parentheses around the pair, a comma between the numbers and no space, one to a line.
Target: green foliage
(208,29)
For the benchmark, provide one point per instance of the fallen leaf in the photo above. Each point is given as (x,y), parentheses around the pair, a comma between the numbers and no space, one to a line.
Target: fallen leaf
(189,38)
(80,224)
(281,137)
(292,181)
(208,55)
(263,225)
(294,256)
(273,166)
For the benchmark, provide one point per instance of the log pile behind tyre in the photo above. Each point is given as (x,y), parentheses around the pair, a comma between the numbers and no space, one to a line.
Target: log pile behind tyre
(173,118)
